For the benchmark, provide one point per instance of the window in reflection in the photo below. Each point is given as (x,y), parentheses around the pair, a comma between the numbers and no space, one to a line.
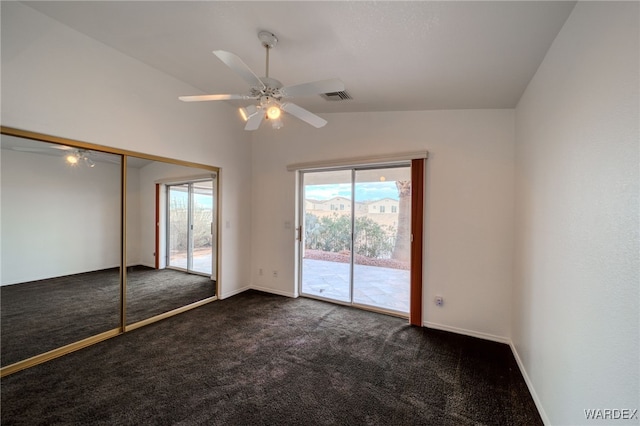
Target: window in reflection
(189,224)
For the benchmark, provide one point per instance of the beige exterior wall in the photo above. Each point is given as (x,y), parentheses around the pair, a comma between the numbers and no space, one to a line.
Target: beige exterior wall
(384,212)
(384,206)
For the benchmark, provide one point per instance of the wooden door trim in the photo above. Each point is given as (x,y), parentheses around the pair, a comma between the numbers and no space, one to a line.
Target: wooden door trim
(157,251)
(417,232)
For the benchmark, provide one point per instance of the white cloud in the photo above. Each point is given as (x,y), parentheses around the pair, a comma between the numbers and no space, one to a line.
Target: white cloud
(365,191)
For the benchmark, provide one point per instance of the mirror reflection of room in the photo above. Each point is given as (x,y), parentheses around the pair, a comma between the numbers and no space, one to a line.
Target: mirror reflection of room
(62,248)
(171,237)
(61,227)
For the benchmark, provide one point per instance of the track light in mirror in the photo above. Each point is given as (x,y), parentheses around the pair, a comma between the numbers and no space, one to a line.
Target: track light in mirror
(77,156)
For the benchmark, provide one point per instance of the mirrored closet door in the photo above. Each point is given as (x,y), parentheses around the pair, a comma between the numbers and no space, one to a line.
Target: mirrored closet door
(171,237)
(87,249)
(61,245)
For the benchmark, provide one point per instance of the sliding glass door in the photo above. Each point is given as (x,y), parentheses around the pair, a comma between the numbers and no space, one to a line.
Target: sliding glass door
(326,248)
(190,226)
(382,238)
(355,242)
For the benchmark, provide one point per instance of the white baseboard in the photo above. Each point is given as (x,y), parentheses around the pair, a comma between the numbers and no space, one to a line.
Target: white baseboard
(224,295)
(472,333)
(134,264)
(498,339)
(532,391)
(273,291)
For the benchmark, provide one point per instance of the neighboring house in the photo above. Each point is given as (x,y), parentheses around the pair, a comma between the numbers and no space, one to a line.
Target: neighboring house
(386,205)
(335,204)
(383,212)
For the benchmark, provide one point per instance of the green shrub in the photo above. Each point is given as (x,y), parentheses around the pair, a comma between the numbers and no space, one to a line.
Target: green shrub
(333,234)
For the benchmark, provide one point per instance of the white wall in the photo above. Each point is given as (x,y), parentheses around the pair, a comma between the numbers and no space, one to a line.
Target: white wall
(57,220)
(469,203)
(60,82)
(575,307)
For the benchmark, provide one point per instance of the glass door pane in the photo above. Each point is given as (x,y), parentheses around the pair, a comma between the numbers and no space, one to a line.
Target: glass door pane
(202,223)
(382,233)
(178,226)
(326,240)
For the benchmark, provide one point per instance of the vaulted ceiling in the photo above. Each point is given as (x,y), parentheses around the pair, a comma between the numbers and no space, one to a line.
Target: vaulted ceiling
(392,56)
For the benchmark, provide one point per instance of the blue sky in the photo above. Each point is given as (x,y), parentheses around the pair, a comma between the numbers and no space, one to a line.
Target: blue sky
(183,198)
(364,191)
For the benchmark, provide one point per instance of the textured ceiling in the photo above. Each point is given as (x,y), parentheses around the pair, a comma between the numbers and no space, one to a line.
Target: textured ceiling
(392,56)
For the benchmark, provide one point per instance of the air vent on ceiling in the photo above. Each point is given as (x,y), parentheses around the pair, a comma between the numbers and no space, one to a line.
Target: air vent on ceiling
(336,96)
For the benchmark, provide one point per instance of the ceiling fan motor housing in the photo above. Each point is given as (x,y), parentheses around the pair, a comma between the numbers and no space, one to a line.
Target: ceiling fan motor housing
(268,39)
(272,88)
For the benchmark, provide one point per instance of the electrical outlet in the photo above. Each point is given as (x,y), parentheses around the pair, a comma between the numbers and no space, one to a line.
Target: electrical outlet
(275,274)
(260,272)
(439,300)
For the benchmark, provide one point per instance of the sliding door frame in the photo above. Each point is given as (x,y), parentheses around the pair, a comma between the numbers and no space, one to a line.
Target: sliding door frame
(190,225)
(417,238)
(416,162)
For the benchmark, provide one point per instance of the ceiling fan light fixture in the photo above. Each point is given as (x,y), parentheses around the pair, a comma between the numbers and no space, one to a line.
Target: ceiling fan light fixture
(276,123)
(72,158)
(273,112)
(77,155)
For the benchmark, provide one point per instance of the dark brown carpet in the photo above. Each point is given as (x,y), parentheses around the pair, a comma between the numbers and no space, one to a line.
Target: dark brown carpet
(39,316)
(259,359)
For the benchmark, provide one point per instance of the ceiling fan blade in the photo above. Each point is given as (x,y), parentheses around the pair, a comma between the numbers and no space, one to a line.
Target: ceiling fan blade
(44,148)
(303,114)
(314,88)
(198,98)
(254,121)
(235,63)
(61,147)
(28,149)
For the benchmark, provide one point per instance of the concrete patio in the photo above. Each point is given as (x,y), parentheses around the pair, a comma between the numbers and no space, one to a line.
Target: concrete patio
(202,261)
(375,286)
(384,288)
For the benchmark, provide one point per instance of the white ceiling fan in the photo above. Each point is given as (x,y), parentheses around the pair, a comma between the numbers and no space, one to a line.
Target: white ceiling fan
(72,156)
(269,92)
